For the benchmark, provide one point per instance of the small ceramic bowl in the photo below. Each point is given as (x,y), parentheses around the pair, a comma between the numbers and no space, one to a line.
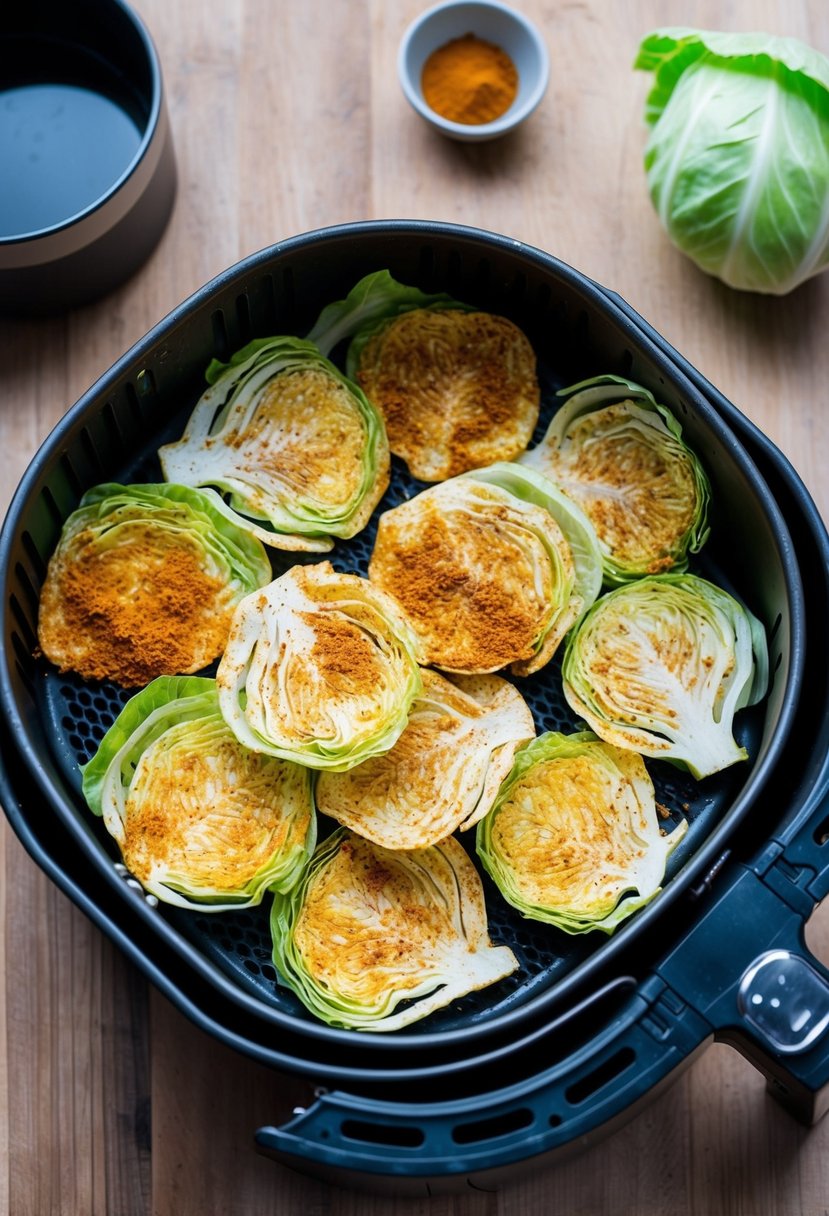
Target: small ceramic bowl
(493,22)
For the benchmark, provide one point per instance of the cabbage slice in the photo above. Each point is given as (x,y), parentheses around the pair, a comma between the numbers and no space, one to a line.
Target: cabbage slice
(200,821)
(297,447)
(318,668)
(443,772)
(662,665)
(369,928)
(127,562)
(573,839)
(737,159)
(484,569)
(620,455)
(457,387)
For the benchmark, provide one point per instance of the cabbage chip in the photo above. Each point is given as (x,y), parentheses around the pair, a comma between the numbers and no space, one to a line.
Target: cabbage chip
(299,450)
(620,455)
(573,838)
(444,771)
(662,665)
(201,821)
(491,569)
(127,561)
(318,668)
(457,387)
(369,929)
(737,158)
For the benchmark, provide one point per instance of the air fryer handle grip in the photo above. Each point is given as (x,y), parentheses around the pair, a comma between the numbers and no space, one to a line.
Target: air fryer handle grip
(746,968)
(349,1137)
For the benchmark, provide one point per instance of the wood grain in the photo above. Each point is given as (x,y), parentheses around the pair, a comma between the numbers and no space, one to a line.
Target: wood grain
(287,118)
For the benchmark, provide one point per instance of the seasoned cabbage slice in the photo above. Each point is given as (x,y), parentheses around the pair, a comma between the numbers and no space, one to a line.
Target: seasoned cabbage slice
(144,581)
(298,448)
(620,455)
(368,928)
(318,668)
(458,388)
(442,773)
(573,838)
(201,821)
(662,665)
(485,571)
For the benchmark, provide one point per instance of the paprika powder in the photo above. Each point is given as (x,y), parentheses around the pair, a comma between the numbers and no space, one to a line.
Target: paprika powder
(469,80)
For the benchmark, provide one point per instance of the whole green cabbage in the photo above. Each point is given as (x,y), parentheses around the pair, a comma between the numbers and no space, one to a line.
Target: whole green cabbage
(738,153)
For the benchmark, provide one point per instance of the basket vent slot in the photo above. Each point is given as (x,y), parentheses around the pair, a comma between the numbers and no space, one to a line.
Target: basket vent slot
(427,266)
(71,475)
(491,1129)
(145,384)
(378,1133)
(243,318)
(606,1072)
(221,342)
(23,640)
(27,592)
(36,560)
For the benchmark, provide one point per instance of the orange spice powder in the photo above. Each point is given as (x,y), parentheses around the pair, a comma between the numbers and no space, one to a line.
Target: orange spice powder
(469,81)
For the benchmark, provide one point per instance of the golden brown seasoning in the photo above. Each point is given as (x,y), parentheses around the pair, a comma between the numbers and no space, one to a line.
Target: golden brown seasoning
(133,612)
(469,80)
(457,390)
(344,656)
(215,817)
(306,433)
(467,614)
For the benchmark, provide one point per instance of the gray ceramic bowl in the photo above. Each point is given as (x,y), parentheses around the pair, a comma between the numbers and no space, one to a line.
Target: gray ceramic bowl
(493,22)
(88,173)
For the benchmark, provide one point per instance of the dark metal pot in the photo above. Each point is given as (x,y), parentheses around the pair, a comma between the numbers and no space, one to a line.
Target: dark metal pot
(586,1029)
(89,174)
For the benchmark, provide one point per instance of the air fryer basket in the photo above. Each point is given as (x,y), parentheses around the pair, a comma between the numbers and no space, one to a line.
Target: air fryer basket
(218,967)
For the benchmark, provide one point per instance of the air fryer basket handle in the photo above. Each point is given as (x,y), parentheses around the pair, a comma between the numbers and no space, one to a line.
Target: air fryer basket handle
(745,966)
(344,1136)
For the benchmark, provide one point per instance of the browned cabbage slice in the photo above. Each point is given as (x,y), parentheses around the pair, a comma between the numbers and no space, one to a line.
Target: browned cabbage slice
(491,569)
(457,390)
(443,772)
(367,929)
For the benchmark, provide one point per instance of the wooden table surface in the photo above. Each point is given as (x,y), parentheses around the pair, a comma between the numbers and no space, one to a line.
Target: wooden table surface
(288,117)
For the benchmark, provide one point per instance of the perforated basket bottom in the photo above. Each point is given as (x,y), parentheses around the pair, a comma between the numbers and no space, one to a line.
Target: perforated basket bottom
(79,713)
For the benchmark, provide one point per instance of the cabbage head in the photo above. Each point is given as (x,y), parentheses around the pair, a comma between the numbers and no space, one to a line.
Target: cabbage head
(737,158)
(573,838)
(201,821)
(374,939)
(662,665)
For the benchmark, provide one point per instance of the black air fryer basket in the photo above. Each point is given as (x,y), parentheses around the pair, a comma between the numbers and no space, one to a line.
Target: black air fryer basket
(586,1029)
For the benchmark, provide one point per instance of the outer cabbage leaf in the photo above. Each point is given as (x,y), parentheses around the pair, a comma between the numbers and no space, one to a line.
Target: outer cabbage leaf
(662,665)
(738,154)
(573,838)
(200,821)
(297,447)
(457,387)
(318,668)
(620,455)
(444,771)
(485,578)
(376,299)
(369,928)
(121,566)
